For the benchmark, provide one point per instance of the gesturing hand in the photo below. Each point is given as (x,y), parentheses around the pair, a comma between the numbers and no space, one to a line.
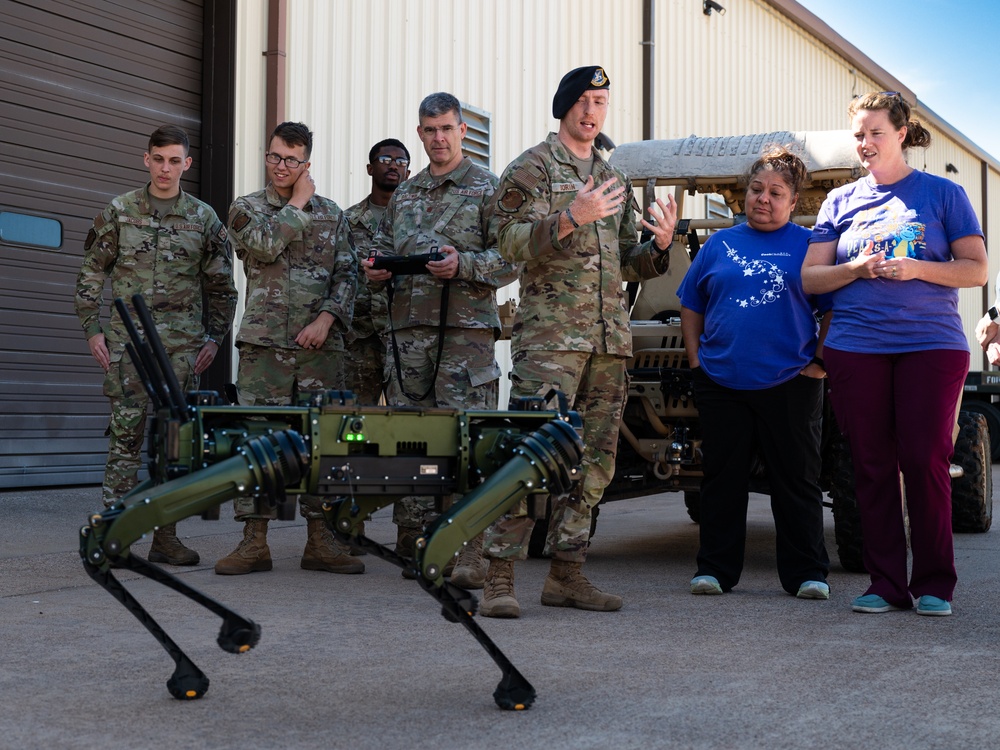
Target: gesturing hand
(666,220)
(594,203)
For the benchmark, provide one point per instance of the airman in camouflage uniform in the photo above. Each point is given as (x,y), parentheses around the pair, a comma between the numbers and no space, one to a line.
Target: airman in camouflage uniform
(301,279)
(388,165)
(447,361)
(569,218)
(172,249)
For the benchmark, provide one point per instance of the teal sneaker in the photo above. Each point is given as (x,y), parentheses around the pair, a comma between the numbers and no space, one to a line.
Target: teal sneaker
(872,604)
(813,590)
(933,607)
(705,585)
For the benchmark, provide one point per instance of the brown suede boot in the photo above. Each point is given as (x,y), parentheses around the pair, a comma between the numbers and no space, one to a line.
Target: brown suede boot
(167,548)
(471,566)
(252,555)
(325,552)
(498,590)
(566,586)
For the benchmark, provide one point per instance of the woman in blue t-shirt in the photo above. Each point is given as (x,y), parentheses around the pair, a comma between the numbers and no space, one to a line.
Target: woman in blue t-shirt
(751,337)
(893,249)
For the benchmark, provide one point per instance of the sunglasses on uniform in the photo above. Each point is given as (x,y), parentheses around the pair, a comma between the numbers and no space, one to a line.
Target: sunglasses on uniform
(290,161)
(399,161)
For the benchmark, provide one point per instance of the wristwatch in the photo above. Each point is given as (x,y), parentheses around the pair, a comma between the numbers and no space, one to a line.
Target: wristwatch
(994,314)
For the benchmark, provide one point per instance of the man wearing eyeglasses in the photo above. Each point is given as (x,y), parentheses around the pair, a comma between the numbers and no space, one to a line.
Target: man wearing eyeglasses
(301,275)
(170,247)
(443,323)
(388,166)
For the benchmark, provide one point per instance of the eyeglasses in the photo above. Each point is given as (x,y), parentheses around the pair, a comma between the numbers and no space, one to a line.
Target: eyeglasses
(399,161)
(290,161)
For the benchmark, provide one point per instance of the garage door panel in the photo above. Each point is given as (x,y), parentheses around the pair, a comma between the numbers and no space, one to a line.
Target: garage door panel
(82,85)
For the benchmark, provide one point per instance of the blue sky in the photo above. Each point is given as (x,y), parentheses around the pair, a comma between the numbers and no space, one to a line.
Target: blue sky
(946,51)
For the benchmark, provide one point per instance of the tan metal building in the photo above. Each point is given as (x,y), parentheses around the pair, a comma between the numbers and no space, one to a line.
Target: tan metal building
(355,71)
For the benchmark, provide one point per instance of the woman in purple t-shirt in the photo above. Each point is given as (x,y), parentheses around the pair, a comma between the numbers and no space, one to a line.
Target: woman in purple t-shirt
(893,249)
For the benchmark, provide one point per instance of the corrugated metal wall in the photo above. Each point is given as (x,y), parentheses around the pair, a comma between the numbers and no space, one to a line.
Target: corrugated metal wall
(82,85)
(357,70)
(750,71)
(248,174)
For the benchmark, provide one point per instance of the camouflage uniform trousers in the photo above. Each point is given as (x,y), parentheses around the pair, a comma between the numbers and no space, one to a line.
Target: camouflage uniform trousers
(365,364)
(595,385)
(468,378)
(267,376)
(129,404)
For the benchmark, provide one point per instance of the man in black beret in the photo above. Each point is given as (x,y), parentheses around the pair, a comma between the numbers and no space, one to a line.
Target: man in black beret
(569,217)
(574,83)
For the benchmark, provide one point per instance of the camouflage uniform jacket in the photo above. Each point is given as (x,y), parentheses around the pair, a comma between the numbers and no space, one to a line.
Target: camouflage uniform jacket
(572,295)
(176,262)
(298,264)
(428,211)
(370,304)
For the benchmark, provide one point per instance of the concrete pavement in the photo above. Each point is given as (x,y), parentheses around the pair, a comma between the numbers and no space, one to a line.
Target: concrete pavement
(367,661)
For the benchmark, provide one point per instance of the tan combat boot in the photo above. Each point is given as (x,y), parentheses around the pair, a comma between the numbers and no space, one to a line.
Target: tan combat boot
(566,586)
(324,552)
(498,590)
(167,548)
(252,555)
(471,566)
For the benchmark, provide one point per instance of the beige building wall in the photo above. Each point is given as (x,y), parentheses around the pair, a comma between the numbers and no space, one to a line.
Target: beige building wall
(357,70)
(251,23)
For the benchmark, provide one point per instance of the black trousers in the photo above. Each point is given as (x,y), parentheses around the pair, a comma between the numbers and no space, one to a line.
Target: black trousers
(784,424)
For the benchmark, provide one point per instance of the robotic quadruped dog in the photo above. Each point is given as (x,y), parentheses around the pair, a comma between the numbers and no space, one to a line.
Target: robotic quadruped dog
(203,453)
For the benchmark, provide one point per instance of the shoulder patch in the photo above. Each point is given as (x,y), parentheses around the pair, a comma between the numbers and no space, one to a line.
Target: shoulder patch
(512,199)
(239,221)
(523,177)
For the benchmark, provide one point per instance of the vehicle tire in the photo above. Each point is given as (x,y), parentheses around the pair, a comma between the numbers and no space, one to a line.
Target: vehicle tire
(992,414)
(846,516)
(692,501)
(972,494)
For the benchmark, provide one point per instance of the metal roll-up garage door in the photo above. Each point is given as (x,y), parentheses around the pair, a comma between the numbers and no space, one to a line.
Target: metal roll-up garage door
(82,85)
